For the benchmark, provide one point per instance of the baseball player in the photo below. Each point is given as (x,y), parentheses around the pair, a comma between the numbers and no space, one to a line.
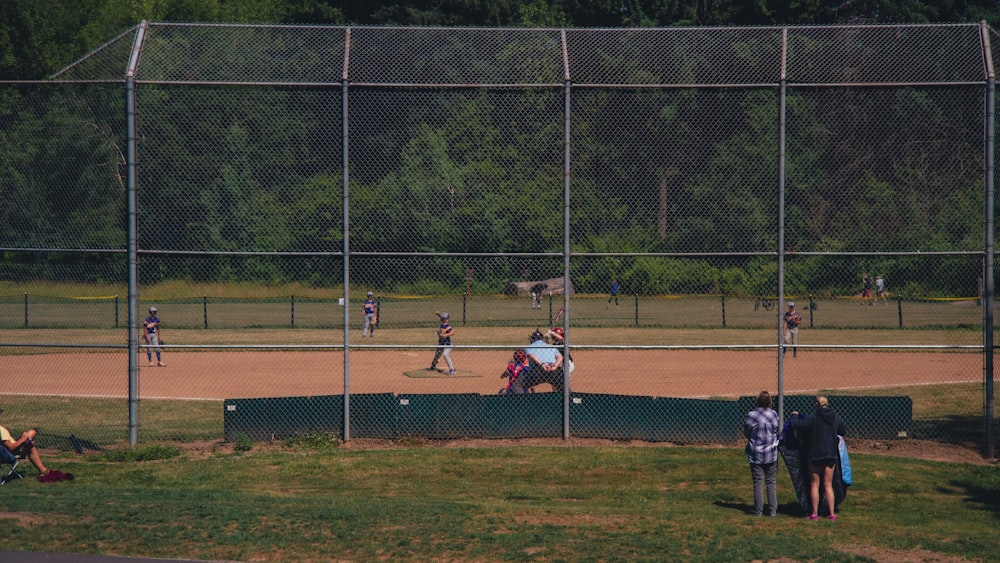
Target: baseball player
(153,336)
(792,321)
(369,310)
(445,332)
(517,365)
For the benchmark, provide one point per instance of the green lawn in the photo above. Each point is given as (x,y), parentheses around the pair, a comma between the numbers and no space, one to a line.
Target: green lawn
(313,501)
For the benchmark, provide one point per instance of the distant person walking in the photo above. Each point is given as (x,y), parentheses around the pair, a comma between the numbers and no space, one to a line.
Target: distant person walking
(444,333)
(792,321)
(880,289)
(614,293)
(369,310)
(761,430)
(152,335)
(866,286)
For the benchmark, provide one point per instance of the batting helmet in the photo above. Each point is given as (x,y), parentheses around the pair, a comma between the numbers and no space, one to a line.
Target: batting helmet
(444,316)
(519,355)
(558,332)
(369,294)
(536,336)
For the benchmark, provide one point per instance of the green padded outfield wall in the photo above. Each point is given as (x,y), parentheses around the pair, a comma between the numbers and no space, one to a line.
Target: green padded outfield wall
(879,418)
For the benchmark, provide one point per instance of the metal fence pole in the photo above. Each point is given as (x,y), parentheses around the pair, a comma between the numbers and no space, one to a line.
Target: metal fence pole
(990,148)
(133,245)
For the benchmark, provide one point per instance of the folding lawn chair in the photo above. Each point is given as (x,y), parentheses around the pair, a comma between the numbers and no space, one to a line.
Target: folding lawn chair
(7,457)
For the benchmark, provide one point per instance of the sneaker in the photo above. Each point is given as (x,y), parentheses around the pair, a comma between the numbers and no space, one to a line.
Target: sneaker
(813,517)
(150,364)
(451,372)
(161,364)
(432,368)
(833,517)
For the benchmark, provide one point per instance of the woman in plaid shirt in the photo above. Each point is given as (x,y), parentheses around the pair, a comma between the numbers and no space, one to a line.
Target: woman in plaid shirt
(761,429)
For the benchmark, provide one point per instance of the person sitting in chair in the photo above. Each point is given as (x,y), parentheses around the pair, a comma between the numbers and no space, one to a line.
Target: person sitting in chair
(24,447)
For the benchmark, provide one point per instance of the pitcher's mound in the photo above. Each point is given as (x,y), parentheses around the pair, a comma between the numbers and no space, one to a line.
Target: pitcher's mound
(424,373)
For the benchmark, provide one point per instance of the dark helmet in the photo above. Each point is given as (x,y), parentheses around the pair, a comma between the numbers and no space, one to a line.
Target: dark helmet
(519,355)
(536,336)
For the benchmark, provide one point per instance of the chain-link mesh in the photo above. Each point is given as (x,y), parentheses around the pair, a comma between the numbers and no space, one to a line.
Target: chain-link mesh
(654,167)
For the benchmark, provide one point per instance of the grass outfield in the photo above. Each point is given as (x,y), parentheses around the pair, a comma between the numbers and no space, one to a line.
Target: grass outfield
(313,501)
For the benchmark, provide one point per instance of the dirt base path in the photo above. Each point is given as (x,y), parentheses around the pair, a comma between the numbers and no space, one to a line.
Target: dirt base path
(661,373)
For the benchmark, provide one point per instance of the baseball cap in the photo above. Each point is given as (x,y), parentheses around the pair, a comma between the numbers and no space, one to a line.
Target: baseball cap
(791,303)
(152,309)
(369,294)
(444,315)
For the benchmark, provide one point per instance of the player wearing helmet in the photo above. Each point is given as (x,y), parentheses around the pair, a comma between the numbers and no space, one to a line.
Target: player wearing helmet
(558,338)
(517,365)
(445,332)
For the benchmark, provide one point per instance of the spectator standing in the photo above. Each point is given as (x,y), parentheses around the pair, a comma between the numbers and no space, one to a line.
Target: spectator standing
(761,430)
(444,333)
(866,286)
(152,335)
(880,289)
(820,431)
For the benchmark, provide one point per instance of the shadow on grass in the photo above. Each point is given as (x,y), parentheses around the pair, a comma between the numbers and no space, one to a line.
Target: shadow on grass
(786,509)
(960,430)
(983,488)
(71,443)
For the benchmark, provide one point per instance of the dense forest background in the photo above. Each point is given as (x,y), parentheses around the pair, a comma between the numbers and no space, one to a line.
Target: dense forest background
(888,171)
(38,37)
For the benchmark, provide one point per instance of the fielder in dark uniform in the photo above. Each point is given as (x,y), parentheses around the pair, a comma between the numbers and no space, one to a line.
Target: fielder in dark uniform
(445,332)
(792,321)
(152,335)
(369,310)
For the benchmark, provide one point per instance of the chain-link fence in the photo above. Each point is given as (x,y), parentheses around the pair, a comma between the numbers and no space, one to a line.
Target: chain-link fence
(301,202)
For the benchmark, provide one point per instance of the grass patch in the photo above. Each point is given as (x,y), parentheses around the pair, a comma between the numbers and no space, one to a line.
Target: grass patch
(498,503)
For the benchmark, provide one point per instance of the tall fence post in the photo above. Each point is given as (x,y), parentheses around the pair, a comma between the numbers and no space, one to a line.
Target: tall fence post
(293,311)
(723,298)
(899,309)
(204,309)
(116,311)
(636,299)
(812,307)
(465,299)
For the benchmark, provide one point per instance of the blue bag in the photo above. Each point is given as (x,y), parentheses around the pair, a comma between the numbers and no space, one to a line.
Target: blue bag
(845,462)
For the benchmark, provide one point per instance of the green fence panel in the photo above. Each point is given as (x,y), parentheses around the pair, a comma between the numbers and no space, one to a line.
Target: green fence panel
(276,418)
(375,415)
(439,417)
(537,415)
(866,417)
(693,420)
(613,417)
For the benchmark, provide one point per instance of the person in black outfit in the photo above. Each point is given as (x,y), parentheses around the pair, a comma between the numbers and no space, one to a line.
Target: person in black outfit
(820,431)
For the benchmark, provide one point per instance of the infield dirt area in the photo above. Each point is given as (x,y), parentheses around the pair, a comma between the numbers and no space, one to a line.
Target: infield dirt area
(661,373)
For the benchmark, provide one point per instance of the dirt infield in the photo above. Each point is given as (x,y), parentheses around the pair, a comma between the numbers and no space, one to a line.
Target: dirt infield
(662,373)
